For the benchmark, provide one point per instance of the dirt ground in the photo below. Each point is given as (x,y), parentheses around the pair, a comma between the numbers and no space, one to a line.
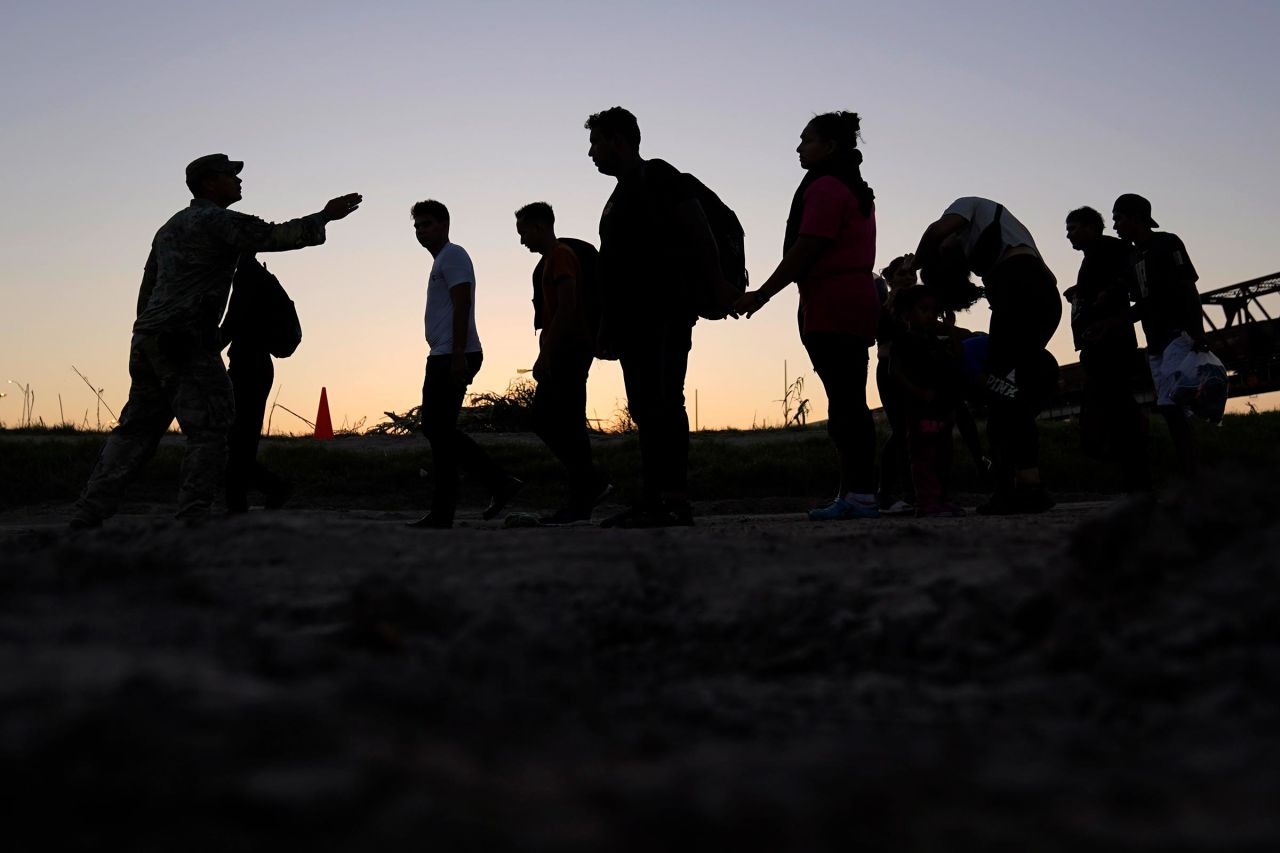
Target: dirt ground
(1101,677)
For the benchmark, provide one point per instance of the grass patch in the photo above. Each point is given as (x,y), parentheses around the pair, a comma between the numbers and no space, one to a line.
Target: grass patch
(46,466)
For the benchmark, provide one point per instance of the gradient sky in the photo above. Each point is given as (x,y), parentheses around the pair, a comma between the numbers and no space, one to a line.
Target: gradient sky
(1043,107)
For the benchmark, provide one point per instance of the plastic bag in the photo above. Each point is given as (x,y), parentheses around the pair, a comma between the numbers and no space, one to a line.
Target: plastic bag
(1200,385)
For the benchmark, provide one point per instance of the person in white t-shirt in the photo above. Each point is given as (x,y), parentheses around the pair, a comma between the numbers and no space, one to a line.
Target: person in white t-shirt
(977,235)
(453,360)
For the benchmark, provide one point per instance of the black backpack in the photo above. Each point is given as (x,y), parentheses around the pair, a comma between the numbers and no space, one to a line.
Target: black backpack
(731,243)
(589,259)
(260,313)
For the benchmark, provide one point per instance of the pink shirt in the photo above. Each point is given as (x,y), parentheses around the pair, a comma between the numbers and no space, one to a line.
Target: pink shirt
(839,293)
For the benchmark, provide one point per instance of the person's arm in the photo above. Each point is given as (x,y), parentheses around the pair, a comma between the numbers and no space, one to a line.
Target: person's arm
(795,264)
(931,240)
(460,294)
(251,234)
(564,327)
(148,282)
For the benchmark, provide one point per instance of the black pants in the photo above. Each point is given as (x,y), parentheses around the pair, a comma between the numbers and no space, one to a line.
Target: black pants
(251,372)
(894,466)
(451,449)
(1025,310)
(560,419)
(840,361)
(654,364)
(1111,421)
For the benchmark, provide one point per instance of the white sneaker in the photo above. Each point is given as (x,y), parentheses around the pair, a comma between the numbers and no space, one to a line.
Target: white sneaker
(899,508)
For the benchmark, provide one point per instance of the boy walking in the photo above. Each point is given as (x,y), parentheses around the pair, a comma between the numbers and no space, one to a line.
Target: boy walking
(563,310)
(452,362)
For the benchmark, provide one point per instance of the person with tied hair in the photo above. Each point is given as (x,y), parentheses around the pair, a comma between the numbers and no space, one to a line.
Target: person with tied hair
(563,310)
(894,467)
(1102,328)
(175,360)
(829,248)
(978,235)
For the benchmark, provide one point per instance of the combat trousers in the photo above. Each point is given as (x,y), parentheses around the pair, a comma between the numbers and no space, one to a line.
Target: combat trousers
(172,375)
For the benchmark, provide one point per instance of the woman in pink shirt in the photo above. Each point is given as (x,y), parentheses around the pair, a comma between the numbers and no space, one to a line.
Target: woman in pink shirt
(829,251)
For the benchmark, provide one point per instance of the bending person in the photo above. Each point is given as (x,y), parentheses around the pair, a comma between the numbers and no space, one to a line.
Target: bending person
(828,250)
(980,236)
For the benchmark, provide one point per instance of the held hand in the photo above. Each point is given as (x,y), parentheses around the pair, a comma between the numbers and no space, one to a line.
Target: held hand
(459,370)
(342,206)
(749,303)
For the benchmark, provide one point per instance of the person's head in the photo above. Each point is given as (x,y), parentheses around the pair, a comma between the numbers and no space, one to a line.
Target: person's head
(615,140)
(946,274)
(431,224)
(918,309)
(829,135)
(215,177)
(1131,217)
(899,273)
(1084,227)
(536,225)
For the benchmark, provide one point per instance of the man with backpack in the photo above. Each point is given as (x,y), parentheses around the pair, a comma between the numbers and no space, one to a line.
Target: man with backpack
(260,323)
(566,309)
(660,265)
(175,365)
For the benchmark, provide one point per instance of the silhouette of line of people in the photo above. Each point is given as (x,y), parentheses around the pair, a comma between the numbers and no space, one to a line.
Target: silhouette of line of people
(665,254)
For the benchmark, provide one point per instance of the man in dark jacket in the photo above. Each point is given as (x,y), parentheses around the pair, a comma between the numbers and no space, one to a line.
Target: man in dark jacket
(1110,417)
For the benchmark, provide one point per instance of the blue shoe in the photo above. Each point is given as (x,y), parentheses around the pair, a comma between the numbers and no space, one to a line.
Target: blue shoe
(843,510)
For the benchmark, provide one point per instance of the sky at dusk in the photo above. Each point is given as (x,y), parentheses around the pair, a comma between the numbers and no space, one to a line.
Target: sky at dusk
(1043,107)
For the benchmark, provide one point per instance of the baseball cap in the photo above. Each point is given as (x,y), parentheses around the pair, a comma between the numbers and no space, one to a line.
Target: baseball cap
(213,163)
(1132,204)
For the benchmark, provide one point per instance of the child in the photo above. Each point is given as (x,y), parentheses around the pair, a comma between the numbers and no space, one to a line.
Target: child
(926,366)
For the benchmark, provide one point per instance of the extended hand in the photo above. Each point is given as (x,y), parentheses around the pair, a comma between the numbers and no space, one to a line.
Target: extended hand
(342,206)
(749,303)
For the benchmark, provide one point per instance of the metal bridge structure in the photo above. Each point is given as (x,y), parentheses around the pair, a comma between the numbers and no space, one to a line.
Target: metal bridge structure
(1241,332)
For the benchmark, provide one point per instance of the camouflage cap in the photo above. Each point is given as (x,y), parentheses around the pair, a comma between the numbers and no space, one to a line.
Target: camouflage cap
(213,163)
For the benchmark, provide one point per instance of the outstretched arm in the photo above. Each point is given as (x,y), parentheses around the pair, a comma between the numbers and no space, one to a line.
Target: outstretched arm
(251,234)
(798,260)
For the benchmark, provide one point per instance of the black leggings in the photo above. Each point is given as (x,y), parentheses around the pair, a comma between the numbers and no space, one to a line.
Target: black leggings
(1025,310)
(893,456)
(840,360)
(251,373)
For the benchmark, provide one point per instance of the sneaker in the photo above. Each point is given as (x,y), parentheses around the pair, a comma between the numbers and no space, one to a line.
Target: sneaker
(899,508)
(843,510)
(1020,500)
(83,521)
(565,516)
(944,509)
(666,514)
(501,497)
(431,521)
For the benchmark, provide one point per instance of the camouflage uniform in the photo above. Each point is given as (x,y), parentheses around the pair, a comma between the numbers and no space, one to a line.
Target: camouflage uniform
(175,361)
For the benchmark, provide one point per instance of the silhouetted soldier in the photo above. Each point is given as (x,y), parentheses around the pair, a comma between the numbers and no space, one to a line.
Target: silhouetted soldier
(247,329)
(656,248)
(454,359)
(1168,305)
(564,310)
(1102,328)
(175,365)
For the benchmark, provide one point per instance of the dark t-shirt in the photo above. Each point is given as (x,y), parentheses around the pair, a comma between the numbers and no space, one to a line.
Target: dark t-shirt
(1164,286)
(932,363)
(641,272)
(1101,292)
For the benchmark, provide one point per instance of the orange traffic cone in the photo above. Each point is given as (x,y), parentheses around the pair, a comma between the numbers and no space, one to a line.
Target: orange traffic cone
(324,424)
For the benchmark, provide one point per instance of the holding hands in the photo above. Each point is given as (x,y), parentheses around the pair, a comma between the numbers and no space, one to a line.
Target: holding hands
(750,302)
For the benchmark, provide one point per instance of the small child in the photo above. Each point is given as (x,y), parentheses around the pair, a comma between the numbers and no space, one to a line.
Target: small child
(926,366)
